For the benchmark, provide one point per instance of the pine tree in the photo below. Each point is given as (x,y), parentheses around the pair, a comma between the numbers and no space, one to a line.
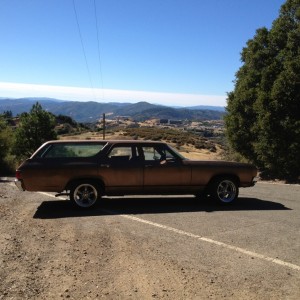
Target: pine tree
(34,129)
(263,115)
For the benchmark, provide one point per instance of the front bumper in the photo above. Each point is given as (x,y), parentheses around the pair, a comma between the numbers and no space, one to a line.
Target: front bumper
(19,184)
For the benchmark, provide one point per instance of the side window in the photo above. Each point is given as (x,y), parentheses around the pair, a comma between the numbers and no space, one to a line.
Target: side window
(60,151)
(120,153)
(151,153)
(72,150)
(157,154)
(169,155)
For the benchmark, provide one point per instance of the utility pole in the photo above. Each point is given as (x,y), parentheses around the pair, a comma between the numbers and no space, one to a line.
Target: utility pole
(103,121)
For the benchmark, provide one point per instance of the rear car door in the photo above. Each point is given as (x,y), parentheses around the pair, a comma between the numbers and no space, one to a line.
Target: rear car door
(122,170)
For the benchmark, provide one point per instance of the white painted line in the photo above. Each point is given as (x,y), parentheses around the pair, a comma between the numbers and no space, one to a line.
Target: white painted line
(278,183)
(201,238)
(50,195)
(211,241)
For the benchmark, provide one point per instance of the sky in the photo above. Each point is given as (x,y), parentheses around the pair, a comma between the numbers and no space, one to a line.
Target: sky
(170,52)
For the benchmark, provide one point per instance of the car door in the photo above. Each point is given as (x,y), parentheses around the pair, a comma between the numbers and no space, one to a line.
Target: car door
(164,172)
(122,170)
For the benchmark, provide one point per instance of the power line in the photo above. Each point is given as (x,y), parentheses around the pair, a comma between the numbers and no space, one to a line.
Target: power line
(83,49)
(99,54)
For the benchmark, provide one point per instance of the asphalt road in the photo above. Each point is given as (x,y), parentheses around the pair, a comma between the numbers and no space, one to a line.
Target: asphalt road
(250,250)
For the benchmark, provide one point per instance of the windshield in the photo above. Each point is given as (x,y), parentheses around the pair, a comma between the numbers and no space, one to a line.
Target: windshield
(177,153)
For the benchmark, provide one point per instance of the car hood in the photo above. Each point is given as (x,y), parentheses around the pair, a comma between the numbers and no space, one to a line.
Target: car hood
(217,163)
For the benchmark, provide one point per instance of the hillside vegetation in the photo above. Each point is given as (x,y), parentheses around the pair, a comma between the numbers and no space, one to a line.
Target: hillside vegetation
(21,136)
(173,136)
(87,112)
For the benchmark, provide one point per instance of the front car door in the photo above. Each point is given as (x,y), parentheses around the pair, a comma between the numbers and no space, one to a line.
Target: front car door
(164,171)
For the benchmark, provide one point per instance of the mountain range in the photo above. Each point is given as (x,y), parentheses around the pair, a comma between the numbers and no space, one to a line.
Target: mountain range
(88,112)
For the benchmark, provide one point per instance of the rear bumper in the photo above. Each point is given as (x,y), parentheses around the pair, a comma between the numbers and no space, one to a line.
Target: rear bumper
(19,184)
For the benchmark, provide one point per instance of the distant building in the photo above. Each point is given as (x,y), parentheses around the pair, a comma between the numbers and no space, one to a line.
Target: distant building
(175,122)
(170,122)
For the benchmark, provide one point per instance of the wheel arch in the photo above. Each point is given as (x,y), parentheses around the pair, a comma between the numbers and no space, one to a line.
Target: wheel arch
(98,181)
(233,177)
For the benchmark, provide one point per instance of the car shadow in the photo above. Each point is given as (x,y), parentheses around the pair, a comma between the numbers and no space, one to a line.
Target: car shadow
(142,205)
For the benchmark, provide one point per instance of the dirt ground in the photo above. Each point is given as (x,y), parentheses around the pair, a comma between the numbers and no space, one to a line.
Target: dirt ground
(75,259)
(51,250)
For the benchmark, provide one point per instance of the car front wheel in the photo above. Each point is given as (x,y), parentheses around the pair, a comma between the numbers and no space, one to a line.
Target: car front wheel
(85,194)
(224,190)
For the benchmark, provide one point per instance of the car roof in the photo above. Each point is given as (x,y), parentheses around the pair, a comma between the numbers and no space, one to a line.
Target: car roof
(105,142)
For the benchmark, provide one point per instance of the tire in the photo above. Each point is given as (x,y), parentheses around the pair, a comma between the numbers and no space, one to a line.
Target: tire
(85,194)
(224,190)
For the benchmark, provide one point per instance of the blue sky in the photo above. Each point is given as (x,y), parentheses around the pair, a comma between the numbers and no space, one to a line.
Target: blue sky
(172,52)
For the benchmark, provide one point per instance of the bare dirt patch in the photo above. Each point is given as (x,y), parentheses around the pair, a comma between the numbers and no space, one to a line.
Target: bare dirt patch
(80,257)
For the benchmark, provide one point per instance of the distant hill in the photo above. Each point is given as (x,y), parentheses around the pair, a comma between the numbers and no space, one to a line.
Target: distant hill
(92,111)
(207,107)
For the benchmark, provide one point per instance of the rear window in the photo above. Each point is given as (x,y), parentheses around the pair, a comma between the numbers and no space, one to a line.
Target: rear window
(71,150)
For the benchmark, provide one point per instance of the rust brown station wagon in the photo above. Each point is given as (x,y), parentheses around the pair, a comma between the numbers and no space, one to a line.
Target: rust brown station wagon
(87,170)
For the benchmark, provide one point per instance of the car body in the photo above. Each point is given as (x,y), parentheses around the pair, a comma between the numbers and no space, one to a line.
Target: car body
(89,169)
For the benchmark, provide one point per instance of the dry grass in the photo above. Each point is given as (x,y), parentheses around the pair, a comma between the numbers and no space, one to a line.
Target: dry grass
(195,154)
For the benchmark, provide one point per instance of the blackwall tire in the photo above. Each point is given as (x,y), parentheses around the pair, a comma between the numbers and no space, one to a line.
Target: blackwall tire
(85,194)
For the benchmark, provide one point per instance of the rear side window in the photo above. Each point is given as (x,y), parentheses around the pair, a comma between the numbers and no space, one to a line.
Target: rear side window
(72,150)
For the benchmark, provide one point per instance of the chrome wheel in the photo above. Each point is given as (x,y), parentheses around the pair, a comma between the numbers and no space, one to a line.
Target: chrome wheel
(226,191)
(85,195)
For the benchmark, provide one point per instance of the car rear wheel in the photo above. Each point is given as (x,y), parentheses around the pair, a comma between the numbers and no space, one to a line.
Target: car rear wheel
(85,194)
(224,190)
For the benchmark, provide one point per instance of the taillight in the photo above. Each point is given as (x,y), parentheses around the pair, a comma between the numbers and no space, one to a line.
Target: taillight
(18,174)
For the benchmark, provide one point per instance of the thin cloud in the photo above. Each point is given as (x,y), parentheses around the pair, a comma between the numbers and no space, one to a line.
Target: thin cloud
(21,90)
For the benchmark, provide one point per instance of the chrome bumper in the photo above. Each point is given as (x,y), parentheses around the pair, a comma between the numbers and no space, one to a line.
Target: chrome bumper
(19,184)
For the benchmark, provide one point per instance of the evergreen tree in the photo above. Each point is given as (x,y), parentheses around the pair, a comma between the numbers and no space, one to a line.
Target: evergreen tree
(6,137)
(263,115)
(34,129)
